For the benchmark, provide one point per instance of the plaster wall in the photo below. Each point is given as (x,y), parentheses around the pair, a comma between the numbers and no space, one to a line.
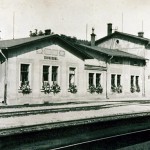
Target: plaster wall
(124,45)
(36,58)
(125,70)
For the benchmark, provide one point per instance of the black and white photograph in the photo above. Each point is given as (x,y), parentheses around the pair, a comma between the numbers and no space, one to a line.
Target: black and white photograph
(74,74)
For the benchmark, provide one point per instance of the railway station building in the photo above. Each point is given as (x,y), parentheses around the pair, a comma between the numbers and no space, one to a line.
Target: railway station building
(48,68)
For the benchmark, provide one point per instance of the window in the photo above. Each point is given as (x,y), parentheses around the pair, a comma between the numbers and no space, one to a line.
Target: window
(118,80)
(135,63)
(137,81)
(117,41)
(132,80)
(50,75)
(54,73)
(91,79)
(24,75)
(45,73)
(71,76)
(98,78)
(112,79)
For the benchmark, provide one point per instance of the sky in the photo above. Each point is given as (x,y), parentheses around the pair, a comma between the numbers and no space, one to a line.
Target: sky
(71,17)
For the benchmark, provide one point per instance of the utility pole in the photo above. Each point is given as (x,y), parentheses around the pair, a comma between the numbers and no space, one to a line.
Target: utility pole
(13,24)
(142,25)
(122,22)
(86,31)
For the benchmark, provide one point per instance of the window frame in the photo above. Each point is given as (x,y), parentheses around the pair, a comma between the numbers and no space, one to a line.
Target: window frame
(137,81)
(132,80)
(24,72)
(56,74)
(45,73)
(50,82)
(98,80)
(118,83)
(72,73)
(113,76)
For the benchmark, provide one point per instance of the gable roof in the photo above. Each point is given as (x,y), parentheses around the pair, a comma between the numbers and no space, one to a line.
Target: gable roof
(121,34)
(110,52)
(5,44)
(9,44)
(80,48)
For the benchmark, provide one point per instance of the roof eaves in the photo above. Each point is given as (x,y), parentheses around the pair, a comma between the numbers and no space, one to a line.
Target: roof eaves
(132,56)
(29,42)
(88,47)
(77,48)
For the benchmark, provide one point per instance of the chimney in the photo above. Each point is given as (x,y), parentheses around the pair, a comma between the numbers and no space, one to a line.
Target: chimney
(140,34)
(30,33)
(36,31)
(47,31)
(93,38)
(109,28)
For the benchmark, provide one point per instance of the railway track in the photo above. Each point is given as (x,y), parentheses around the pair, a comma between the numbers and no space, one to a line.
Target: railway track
(51,110)
(45,111)
(138,138)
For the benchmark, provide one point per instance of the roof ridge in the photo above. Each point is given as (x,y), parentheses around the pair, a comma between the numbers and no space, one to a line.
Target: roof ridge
(132,35)
(124,34)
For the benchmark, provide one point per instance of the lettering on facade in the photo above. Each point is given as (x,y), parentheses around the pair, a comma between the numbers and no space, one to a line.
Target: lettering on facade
(48,51)
(50,58)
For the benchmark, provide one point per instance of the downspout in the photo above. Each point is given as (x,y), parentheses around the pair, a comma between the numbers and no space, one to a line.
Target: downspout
(144,71)
(144,80)
(5,77)
(107,61)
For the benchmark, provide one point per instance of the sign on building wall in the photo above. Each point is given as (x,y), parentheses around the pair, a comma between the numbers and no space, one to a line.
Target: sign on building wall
(53,52)
(48,51)
(50,58)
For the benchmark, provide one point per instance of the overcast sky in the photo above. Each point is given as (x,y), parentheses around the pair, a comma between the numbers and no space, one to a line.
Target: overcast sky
(71,16)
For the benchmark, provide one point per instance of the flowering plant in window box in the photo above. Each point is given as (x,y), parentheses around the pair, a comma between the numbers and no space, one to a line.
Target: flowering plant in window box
(92,89)
(25,87)
(55,88)
(46,87)
(99,89)
(72,88)
(132,89)
(137,88)
(119,89)
(113,88)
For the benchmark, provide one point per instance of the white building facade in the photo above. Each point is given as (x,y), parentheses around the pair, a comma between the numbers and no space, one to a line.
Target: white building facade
(49,68)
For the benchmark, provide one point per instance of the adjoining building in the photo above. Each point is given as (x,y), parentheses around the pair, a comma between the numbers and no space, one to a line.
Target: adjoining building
(50,68)
(137,45)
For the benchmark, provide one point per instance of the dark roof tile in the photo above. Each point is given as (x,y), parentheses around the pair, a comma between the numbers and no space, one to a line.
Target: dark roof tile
(15,42)
(112,52)
(142,39)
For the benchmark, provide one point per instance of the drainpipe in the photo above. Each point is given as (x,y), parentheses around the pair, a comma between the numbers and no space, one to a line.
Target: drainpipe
(144,80)
(5,77)
(107,62)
